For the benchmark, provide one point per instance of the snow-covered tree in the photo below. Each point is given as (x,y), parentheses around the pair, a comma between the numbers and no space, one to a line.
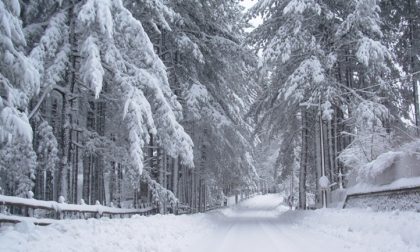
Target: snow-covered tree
(18,77)
(80,54)
(19,81)
(328,68)
(138,74)
(17,167)
(215,72)
(209,70)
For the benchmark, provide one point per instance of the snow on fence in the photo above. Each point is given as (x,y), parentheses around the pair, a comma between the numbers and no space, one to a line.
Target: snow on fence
(60,210)
(389,199)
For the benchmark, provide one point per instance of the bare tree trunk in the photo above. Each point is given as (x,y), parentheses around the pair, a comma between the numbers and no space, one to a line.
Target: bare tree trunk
(175,176)
(113,181)
(161,172)
(65,143)
(303,161)
(203,194)
(68,102)
(190,188)
(85,190)
(331,152)
(413,18)
(336,151)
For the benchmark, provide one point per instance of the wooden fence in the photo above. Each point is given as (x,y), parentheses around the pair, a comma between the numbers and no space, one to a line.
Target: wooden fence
(39,212)
(14,210)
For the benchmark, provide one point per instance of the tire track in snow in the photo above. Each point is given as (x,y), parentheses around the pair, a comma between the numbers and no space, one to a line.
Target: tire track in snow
(284,245)
(258,226)
(247,237)
(304,239)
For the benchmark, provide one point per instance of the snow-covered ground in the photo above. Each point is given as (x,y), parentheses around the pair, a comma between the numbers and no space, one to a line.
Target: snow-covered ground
(260,224)
(398,184)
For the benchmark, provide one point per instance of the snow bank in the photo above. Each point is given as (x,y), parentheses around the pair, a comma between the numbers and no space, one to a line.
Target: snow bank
(231,200)
(146,234)
(265,201)
(277,230)
(379,197)
(384,161)
(365,229)
(398,184)
(261,206)
(392,165)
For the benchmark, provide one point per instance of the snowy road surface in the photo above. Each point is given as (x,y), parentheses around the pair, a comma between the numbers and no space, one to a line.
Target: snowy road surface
(261,224)
(264,224)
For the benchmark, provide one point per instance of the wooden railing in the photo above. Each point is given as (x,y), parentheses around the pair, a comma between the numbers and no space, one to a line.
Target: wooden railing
(14,210)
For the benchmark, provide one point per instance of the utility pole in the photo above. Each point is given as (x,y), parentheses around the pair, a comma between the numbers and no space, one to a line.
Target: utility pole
(324,192)
(292,181)
(291,187)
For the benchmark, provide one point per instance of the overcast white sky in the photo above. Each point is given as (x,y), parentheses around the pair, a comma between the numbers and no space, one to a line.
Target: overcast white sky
(248,4)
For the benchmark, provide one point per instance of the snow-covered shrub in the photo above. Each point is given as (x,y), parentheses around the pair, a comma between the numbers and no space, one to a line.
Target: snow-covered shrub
(369,171)
(376,167)
(17,164)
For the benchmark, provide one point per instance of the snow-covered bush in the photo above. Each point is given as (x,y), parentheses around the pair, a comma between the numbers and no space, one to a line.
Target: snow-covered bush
(368,172)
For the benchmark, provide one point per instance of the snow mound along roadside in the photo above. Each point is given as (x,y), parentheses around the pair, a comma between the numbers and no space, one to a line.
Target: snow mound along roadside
(392,165)
(262,201)
(396,185)
(371,170)
(402,194)
(260,206)
(158,233)
(373,231)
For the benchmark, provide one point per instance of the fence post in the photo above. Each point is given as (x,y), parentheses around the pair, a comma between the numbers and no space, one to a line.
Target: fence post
(111,215)
(82,203)
(61,200)
(99,212)
(29,210)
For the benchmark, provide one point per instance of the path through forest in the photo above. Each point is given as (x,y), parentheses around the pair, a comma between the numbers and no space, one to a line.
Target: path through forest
(260,224)
(264,224)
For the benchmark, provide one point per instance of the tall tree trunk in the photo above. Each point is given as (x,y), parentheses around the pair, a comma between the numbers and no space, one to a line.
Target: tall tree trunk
(413,18)
(336,150)
(332,172)
(113,181)
(303,161)
(66,149)
(175,176)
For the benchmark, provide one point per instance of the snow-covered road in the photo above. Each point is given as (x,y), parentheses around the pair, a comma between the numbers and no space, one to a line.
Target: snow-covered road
(261,224)
(264,224)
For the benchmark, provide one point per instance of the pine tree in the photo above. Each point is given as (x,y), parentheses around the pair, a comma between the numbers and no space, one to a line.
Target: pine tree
(78,48)
(328,67)
(18,77)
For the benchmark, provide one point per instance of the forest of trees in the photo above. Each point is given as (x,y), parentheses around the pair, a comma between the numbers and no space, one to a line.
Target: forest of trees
(172,101)
(340,84)
(125,101)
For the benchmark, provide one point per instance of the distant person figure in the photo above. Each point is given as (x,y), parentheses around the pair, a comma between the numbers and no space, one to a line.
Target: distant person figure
(290,201)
